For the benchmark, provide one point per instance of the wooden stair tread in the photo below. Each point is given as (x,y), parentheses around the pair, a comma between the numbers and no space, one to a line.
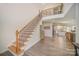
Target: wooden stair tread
(31,26)
(23,40)
(13,49)
(25,35)
(21,44)
(28,31)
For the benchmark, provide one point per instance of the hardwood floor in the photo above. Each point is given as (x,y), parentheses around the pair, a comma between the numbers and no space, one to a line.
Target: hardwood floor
(57,46)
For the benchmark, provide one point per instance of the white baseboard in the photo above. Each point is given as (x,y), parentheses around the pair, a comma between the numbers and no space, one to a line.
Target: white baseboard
(3,50)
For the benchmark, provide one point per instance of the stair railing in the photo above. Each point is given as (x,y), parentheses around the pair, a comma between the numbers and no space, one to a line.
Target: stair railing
(38,17)
(53,11)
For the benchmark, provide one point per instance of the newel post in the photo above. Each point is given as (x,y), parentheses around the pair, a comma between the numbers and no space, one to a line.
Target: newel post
(17,41)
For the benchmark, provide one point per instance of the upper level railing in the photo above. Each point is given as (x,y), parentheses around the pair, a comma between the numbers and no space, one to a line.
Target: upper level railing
(52,11)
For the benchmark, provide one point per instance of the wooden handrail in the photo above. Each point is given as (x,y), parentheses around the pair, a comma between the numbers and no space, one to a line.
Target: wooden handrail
(17,41)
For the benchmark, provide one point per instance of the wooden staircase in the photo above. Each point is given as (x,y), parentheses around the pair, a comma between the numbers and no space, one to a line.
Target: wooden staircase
(17,47)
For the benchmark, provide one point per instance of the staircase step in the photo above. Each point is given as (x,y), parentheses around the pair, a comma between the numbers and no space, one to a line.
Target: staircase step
(25,32)
(31,25)
(25,35)
(29,28)
(28,31)
(24,40)
(21,44)
(12,49)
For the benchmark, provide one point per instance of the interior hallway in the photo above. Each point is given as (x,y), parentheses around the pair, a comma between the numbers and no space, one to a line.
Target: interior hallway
(56,46)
